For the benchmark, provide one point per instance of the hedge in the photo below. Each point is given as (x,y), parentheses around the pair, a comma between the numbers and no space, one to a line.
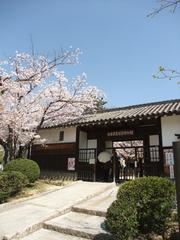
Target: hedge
(11,183)
(151,198)
(122,220)
(26,166)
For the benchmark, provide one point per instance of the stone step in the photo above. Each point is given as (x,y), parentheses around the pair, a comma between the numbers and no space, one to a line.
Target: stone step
(27,216)
(44,234)
(80,225)
(99,204)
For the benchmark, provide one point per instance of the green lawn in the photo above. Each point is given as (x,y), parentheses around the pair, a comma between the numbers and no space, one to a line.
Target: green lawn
(34,189)
(38,187)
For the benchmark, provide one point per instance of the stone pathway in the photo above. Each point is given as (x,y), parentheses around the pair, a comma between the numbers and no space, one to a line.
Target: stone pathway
(74,212)
(84,221)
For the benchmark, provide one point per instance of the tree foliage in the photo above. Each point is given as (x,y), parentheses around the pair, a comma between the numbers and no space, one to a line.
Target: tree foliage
(34,93)
(100,105)
(163,72)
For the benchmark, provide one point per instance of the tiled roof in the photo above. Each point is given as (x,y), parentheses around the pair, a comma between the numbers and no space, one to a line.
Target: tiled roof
(143,111)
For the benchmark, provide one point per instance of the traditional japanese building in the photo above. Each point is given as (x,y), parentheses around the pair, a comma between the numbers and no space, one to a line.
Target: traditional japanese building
(141,134)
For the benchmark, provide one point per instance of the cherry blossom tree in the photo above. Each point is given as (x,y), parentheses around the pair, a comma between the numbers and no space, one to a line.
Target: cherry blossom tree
(126,149)
(34,93)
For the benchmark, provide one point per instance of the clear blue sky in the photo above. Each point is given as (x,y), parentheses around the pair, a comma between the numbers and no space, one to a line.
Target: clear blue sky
(121,47)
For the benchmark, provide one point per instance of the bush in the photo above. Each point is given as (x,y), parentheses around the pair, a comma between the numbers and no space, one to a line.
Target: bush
(11,183)
(151,197)
(122,220)
(25,166)
(17,181)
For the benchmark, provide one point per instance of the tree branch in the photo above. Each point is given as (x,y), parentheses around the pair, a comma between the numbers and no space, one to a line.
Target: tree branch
(168,74)
(164,4)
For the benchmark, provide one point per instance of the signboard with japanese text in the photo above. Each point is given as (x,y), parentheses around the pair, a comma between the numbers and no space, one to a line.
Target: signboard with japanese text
(120,133)
(71,164)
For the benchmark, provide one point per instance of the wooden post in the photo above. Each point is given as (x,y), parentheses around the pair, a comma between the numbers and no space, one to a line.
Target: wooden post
(114,169)
(176,148)
(77,152)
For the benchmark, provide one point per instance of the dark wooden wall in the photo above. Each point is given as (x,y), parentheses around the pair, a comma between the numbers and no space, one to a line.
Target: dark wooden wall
(53,157)
(141,131)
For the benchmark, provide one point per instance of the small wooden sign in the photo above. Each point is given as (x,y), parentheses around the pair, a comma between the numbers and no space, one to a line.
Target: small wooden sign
(121,133)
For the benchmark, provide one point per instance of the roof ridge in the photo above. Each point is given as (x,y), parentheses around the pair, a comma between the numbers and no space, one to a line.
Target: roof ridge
(138,105)
(152,109)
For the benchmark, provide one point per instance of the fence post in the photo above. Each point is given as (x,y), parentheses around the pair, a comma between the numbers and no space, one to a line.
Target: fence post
(176,148)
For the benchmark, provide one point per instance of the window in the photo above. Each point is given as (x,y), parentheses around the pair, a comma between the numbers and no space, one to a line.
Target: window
(61,136)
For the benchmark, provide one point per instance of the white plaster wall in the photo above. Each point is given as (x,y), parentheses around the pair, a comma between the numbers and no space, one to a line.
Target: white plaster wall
(170,126)
(108,144)
(92,143)
(154,140)
(52,135)
(82,139)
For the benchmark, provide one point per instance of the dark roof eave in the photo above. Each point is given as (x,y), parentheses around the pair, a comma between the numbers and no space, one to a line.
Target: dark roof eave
(116,119)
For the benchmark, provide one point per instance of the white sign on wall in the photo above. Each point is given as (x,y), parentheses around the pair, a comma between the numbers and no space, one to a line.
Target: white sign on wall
(92,161)
(71,164)
(169,158)
(171,171)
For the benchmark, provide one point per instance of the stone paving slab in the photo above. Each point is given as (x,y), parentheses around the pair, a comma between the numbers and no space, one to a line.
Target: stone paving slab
(22,218)
(99,204)
(78,224)
(69,195)
(44,234)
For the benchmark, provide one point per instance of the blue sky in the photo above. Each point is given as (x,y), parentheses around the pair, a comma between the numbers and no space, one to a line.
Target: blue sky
(122,48)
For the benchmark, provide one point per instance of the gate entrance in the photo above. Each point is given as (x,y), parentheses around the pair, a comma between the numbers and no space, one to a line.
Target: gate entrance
(130,155)
(134,160)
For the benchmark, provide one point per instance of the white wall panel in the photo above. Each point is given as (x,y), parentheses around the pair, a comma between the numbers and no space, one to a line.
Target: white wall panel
(52,135)
(92,143)
(82,139)
(153,140)
(170,126)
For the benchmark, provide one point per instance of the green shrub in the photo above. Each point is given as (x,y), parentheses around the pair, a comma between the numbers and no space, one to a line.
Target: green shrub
(25,166)
(17,181)
(153,199)
(11,183)
(122,220)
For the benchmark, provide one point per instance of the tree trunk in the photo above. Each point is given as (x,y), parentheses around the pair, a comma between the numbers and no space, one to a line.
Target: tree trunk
(6,155)
(12,154)
(20,152)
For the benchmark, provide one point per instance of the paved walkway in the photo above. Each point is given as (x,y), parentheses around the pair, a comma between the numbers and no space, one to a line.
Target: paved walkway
(20,219)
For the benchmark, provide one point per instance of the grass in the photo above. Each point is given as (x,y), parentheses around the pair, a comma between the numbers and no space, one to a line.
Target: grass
(38,187)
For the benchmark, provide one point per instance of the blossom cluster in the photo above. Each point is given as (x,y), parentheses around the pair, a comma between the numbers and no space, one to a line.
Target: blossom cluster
(34,93)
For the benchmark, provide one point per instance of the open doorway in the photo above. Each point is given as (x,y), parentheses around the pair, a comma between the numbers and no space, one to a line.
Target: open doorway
(131,157)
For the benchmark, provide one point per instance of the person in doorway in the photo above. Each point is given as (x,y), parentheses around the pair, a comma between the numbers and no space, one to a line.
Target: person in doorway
(123,167)
(104,159)
(115,166)
(140,163)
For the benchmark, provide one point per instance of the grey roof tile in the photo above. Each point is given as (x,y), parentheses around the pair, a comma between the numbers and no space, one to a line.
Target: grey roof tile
(144,111)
